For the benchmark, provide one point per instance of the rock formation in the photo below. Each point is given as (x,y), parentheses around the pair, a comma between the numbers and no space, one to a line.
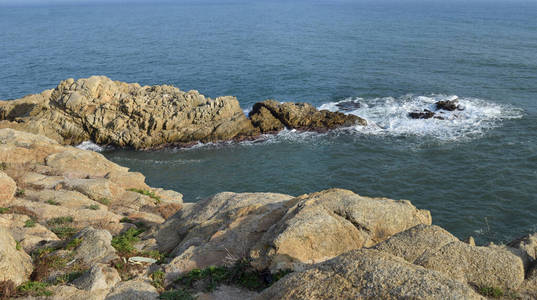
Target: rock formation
(129,115)
(445,105)
(272,116)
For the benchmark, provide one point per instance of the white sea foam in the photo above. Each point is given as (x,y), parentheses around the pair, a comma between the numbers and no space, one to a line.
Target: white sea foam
(389,116)
(89,145)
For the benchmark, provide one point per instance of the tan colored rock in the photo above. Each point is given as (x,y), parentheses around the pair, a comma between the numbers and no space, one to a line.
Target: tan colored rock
(280,232)
(325,224)
(225,292)
(15,264)
(95,246)
(217,229)
(480,266)
(62,292)
(28,237)
(414,242)
(77,163)
(99,277)
(528,244)
(272,116)
(17,147)
(126,115)
(8,187)
(367,274)
(133,290)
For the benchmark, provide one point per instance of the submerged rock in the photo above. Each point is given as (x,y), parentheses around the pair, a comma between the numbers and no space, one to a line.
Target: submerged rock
(272,116)
(447,105)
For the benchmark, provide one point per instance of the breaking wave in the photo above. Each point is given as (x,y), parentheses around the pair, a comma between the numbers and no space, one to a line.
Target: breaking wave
(389,116)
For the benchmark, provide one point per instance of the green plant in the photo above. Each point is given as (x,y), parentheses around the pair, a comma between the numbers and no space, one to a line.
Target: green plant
(153,254)
(241,274)
(73,244)
(30,223)
(64,232)
(3,166)
(4,210)
(176,295)
(94,207)
(157,279)
(104,201)
(53,202)
(18,245)
(126,220)
(124,242)
(60,220)
(488,291)
(20,193)
(150,194)
(68,277)
(34,288)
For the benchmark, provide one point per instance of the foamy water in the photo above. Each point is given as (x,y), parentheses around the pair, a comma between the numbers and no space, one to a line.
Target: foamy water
(389,116)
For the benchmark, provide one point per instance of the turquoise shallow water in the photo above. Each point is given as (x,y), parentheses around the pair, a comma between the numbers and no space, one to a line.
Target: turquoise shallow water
(475,171)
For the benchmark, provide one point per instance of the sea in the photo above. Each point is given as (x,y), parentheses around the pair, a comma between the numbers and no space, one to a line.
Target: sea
(476,170)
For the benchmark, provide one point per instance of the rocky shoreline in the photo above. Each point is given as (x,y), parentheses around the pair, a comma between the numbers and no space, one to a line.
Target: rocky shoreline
(75,225)
(147,117)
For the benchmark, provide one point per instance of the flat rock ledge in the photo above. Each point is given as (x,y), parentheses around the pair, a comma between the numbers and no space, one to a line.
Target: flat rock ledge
(74,225)
(144,117)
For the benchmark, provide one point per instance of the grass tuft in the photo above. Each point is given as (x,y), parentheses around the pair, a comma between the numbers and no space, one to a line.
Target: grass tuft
(4,210)
(104,201)
(53,202)
(157,279)
(34,288)
(176,295)
(20,193)
(60,220)
(30,223)
(94,207)
(150,194)
(73,244)
(64,232)
(488,291)
(124,243)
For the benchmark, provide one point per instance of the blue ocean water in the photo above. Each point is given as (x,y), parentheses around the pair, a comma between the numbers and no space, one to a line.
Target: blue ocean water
(475,171)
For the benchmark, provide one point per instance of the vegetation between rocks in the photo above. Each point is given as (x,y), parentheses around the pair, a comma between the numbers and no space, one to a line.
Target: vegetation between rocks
(150,194)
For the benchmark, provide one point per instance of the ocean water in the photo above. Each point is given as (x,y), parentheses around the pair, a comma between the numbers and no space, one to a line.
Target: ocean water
(476,170)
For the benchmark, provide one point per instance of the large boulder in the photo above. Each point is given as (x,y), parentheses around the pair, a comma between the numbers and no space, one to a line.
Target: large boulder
(414,242)
(219,228)
(94,247)
(272,116)
(280,232)
(434,248)
(368,274)
(8,187)
(15,264)
(99,277)
(480,266)
(136,289)
(29,237)
(126,115)
(322,225)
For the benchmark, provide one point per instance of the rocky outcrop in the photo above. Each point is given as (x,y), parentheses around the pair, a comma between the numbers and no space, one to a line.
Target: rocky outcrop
(133,290)
(272,116)
(280,232)
(78,188)
(368,274)
(15,264)
(7,189)
(110,112)
(444,105)
(126,115)
(99,277)
(29,237)
(436,249)
(94,246)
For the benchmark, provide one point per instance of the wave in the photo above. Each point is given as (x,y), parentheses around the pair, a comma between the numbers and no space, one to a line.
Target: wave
(89,145)
(389,116)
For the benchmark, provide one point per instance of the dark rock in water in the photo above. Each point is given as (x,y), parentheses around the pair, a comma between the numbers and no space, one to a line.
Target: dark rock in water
(449,105)
(427,114)
(348,105)
(272,116)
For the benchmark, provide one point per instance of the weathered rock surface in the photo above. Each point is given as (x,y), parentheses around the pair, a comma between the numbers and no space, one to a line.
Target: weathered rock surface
(126,115)
(95,246)
(368,274)
(8,187)
(278,231)
(445,105)
(15,264)
(133,290)
(434,248)
(414,242)
(100,277)
(273,116)
(61,181)
(28,237)
(325,224)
